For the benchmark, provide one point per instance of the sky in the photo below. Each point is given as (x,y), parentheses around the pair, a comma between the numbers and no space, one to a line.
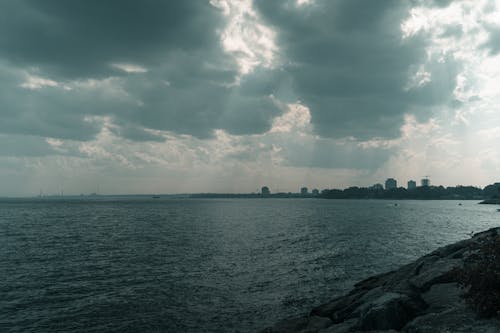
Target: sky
(148,96)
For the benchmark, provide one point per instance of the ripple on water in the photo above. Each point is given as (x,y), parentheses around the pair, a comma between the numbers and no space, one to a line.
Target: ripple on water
(128,265)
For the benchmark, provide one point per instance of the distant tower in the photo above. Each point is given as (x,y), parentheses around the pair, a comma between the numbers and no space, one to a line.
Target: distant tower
(426,182)
(412,184)
(265,190)
(391,183)
(303,191)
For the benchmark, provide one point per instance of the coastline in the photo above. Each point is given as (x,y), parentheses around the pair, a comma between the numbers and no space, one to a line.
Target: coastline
(425,296)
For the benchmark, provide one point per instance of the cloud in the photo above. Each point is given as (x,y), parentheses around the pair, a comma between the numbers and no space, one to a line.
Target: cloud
(21,145)
(350,65)
(493,42)
(191,67)
(145,66)
(84,38)
(222,95)
(325,153)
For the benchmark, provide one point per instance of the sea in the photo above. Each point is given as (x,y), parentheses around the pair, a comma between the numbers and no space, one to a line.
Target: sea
(139,264)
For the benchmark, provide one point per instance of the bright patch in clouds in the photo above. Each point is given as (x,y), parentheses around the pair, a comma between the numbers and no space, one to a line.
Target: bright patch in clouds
(130,68)
(35,82)
(245,37)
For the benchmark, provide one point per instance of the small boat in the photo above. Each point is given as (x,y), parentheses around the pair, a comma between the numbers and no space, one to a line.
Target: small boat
(156,197)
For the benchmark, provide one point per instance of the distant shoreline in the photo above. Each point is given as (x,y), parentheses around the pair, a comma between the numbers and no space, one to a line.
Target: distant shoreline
(228,196)
(490,194)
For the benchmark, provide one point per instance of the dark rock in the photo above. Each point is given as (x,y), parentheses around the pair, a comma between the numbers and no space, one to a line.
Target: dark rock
(293,324)
(456,319)
(491,202)
(390,311)
(439,271)
(345,327)
(443,296)
(300,325)
(448,250)
(316,323)
(340,308)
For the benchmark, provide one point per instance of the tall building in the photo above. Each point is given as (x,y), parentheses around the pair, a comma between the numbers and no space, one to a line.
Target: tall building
(265,190)
(303,191)
(426,182)
(412,184)
(391,183)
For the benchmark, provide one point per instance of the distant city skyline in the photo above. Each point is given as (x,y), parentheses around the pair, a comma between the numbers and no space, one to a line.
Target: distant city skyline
(214,95)
(265,189)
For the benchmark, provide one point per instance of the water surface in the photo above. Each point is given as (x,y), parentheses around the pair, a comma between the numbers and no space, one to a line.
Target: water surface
(215,265)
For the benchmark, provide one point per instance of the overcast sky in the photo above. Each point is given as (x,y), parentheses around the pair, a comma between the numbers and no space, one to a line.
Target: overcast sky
(148,96)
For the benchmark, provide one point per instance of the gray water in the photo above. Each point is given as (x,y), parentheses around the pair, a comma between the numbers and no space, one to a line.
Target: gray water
(165,265)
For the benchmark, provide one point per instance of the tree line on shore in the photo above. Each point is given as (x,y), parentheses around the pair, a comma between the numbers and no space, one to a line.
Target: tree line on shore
(421,193)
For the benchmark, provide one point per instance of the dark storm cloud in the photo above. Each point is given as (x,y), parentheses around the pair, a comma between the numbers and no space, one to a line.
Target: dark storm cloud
(184,82)
(350,65)
(198,98)
(345,60)
(44,112)
(81,38)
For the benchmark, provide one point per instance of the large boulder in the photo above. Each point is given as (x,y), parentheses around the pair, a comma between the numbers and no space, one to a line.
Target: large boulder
(443,296)
(390,311)
(439,271)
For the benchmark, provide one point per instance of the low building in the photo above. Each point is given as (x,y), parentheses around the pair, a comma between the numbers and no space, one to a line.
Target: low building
(265,190)
(304,191)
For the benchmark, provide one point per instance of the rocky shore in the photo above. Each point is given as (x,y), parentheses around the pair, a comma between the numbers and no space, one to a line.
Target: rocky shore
(490,202)
(425,296)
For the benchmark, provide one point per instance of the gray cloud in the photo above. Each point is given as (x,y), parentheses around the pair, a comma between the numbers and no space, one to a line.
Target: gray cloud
(350,66)
(326,154)
(45,112)
(493,42)
(82,38)
(21,145)
(185,82)
(344,59)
